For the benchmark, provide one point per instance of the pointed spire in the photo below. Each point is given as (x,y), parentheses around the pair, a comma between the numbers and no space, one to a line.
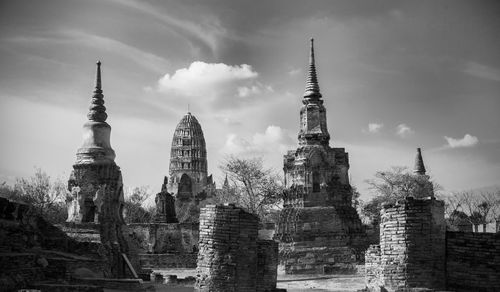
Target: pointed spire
(98,76)
(226,182)
(419,163)
(97,109)
(312,87)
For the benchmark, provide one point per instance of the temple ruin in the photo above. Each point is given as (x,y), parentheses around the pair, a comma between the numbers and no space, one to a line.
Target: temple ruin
(165,206)
(319,230)
(171,240)
(96,203)
(165,242)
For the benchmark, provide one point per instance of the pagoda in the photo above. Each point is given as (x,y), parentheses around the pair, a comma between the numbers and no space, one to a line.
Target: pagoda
(318,229)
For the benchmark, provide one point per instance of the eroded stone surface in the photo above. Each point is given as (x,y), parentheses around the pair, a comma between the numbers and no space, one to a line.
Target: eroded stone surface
(165,206)
(319,230)
(416,252)
(231,258)
(96,187)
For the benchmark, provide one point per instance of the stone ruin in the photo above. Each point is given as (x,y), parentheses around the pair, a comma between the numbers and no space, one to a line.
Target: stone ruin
(231,257)
(34,254)
(165,206)
(319,231)
(171,241)
(95,204)
(164,243)
(416,251)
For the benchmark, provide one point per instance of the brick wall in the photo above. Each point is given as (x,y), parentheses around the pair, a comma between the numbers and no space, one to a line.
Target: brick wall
(230,257)
(412,246)
(267,262)
(415,251)
(473,261)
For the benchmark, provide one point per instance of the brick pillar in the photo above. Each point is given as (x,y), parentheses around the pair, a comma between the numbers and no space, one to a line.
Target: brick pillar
(227,257)
(412,244)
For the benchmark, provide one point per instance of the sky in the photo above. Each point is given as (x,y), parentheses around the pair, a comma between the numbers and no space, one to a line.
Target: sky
(395,75)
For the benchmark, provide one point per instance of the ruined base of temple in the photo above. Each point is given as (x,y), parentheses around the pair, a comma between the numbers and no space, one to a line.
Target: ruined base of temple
(162,245)
(320,240)
(36,254)
(111,254)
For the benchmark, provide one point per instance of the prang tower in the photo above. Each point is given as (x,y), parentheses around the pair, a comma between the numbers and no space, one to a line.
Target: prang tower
(318,227)
(189,180)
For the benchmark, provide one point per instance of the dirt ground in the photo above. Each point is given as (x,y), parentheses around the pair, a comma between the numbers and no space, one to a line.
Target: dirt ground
(293,283)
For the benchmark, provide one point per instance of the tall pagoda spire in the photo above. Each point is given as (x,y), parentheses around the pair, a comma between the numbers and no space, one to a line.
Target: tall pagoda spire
(97,109)
(312,86)
(419,163)
(96,146)
(313,126)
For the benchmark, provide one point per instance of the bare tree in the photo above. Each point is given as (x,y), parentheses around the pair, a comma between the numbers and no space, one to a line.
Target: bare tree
(480,208)
(392,185)
(134,199)
(43,194)
(252,186)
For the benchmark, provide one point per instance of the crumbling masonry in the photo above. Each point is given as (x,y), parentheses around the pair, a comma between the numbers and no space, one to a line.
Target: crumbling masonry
(231,257)
(416,251)
(96,201)
(318,229)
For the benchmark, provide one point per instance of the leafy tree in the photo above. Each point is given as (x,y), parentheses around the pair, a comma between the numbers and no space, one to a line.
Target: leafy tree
(392,185)
(252,186)
(134,211)
(46,196)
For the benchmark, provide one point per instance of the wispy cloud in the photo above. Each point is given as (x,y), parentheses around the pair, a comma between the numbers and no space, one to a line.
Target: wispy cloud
(80,38)
(373,128)
(295,71)
(466,141)
(481,71)
(403,130)
(208,30)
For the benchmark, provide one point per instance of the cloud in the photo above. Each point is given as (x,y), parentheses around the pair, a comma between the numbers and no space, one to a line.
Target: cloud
(245,91)
(272,140)
(373,128)
(403,130)
(214,84)
(481,71)
(466,141)
(202,78)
